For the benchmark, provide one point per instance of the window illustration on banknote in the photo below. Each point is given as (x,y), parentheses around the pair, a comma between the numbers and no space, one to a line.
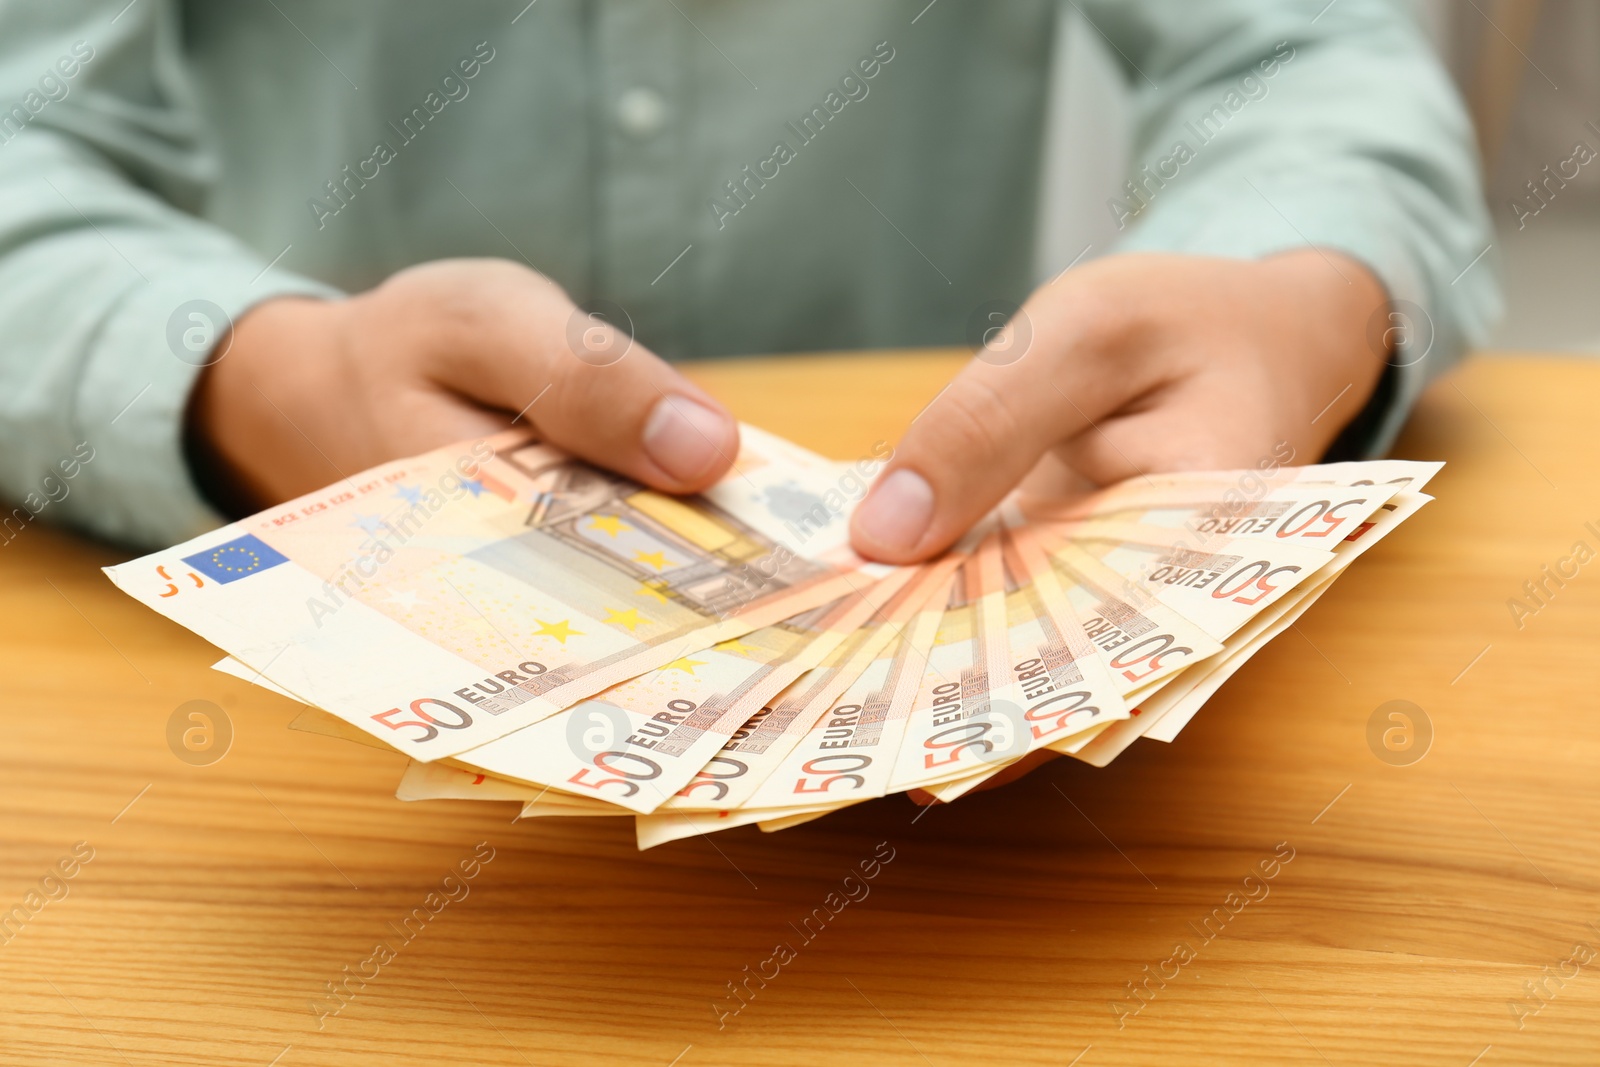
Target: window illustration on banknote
(686,549)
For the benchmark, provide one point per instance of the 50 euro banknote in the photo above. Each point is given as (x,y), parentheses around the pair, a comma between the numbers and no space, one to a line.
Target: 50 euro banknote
(1310,505)
(1168,709)
(1006,676)
(894,636)
(444,601)
(775,770)
(640,742)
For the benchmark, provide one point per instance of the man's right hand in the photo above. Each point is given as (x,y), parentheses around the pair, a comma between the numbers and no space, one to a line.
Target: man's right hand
(307,391)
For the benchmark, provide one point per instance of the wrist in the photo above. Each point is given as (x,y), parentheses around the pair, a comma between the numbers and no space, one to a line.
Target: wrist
(234,409)
(1325,301)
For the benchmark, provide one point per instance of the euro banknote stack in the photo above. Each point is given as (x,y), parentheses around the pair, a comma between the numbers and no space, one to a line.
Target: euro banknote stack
(526,627)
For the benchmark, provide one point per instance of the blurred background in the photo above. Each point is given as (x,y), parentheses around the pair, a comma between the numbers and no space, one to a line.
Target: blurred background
(1529,72)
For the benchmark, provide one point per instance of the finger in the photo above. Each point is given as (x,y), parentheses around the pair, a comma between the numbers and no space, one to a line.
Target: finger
(430,418)
(588,387)
(987,429)
(1052,478)
(1177,431)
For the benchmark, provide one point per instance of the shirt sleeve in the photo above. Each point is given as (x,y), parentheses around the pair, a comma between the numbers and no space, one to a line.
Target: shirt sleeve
(1267,125)
(112,292)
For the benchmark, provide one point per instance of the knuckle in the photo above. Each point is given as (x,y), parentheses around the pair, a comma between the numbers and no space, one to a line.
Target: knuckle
(601,335)
(460,301)
(976,421)
(605,402)
(584,390)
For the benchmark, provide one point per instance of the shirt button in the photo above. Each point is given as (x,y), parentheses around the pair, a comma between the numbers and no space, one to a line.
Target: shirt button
(641,112)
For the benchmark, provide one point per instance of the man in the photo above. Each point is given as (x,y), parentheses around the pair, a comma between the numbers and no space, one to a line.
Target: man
(188,192)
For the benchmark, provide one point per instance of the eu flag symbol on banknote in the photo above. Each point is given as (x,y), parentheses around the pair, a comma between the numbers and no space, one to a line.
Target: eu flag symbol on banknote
(236,559)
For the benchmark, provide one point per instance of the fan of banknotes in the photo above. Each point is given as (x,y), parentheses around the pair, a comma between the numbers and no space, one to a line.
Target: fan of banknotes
(527,627)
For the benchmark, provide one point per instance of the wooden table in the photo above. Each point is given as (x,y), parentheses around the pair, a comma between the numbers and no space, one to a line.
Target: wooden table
(221,899)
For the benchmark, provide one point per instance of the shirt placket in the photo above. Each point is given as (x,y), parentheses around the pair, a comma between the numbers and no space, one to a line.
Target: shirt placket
(641,115)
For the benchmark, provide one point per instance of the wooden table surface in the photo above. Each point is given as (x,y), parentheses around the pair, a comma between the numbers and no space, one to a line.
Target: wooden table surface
(1421,900)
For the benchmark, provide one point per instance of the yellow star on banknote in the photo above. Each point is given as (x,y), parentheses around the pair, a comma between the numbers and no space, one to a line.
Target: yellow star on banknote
(558,630)
(651,591)
(657,559)
(629,618)
(610,524)
(684,664)
(734,647)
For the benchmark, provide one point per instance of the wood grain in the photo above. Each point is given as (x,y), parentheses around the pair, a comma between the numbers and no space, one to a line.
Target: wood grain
(220,903)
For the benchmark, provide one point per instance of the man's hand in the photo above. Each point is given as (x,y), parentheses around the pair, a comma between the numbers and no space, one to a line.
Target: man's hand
(1135,364)
(307,391)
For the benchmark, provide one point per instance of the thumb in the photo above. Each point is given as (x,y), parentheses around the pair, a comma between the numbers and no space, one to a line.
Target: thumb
(975,442)
(588,387)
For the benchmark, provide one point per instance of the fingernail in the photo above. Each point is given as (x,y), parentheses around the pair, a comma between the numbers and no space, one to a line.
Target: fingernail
(897,512)
(683,437)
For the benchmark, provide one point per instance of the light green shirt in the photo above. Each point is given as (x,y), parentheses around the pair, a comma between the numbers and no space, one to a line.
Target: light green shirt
(739,177)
